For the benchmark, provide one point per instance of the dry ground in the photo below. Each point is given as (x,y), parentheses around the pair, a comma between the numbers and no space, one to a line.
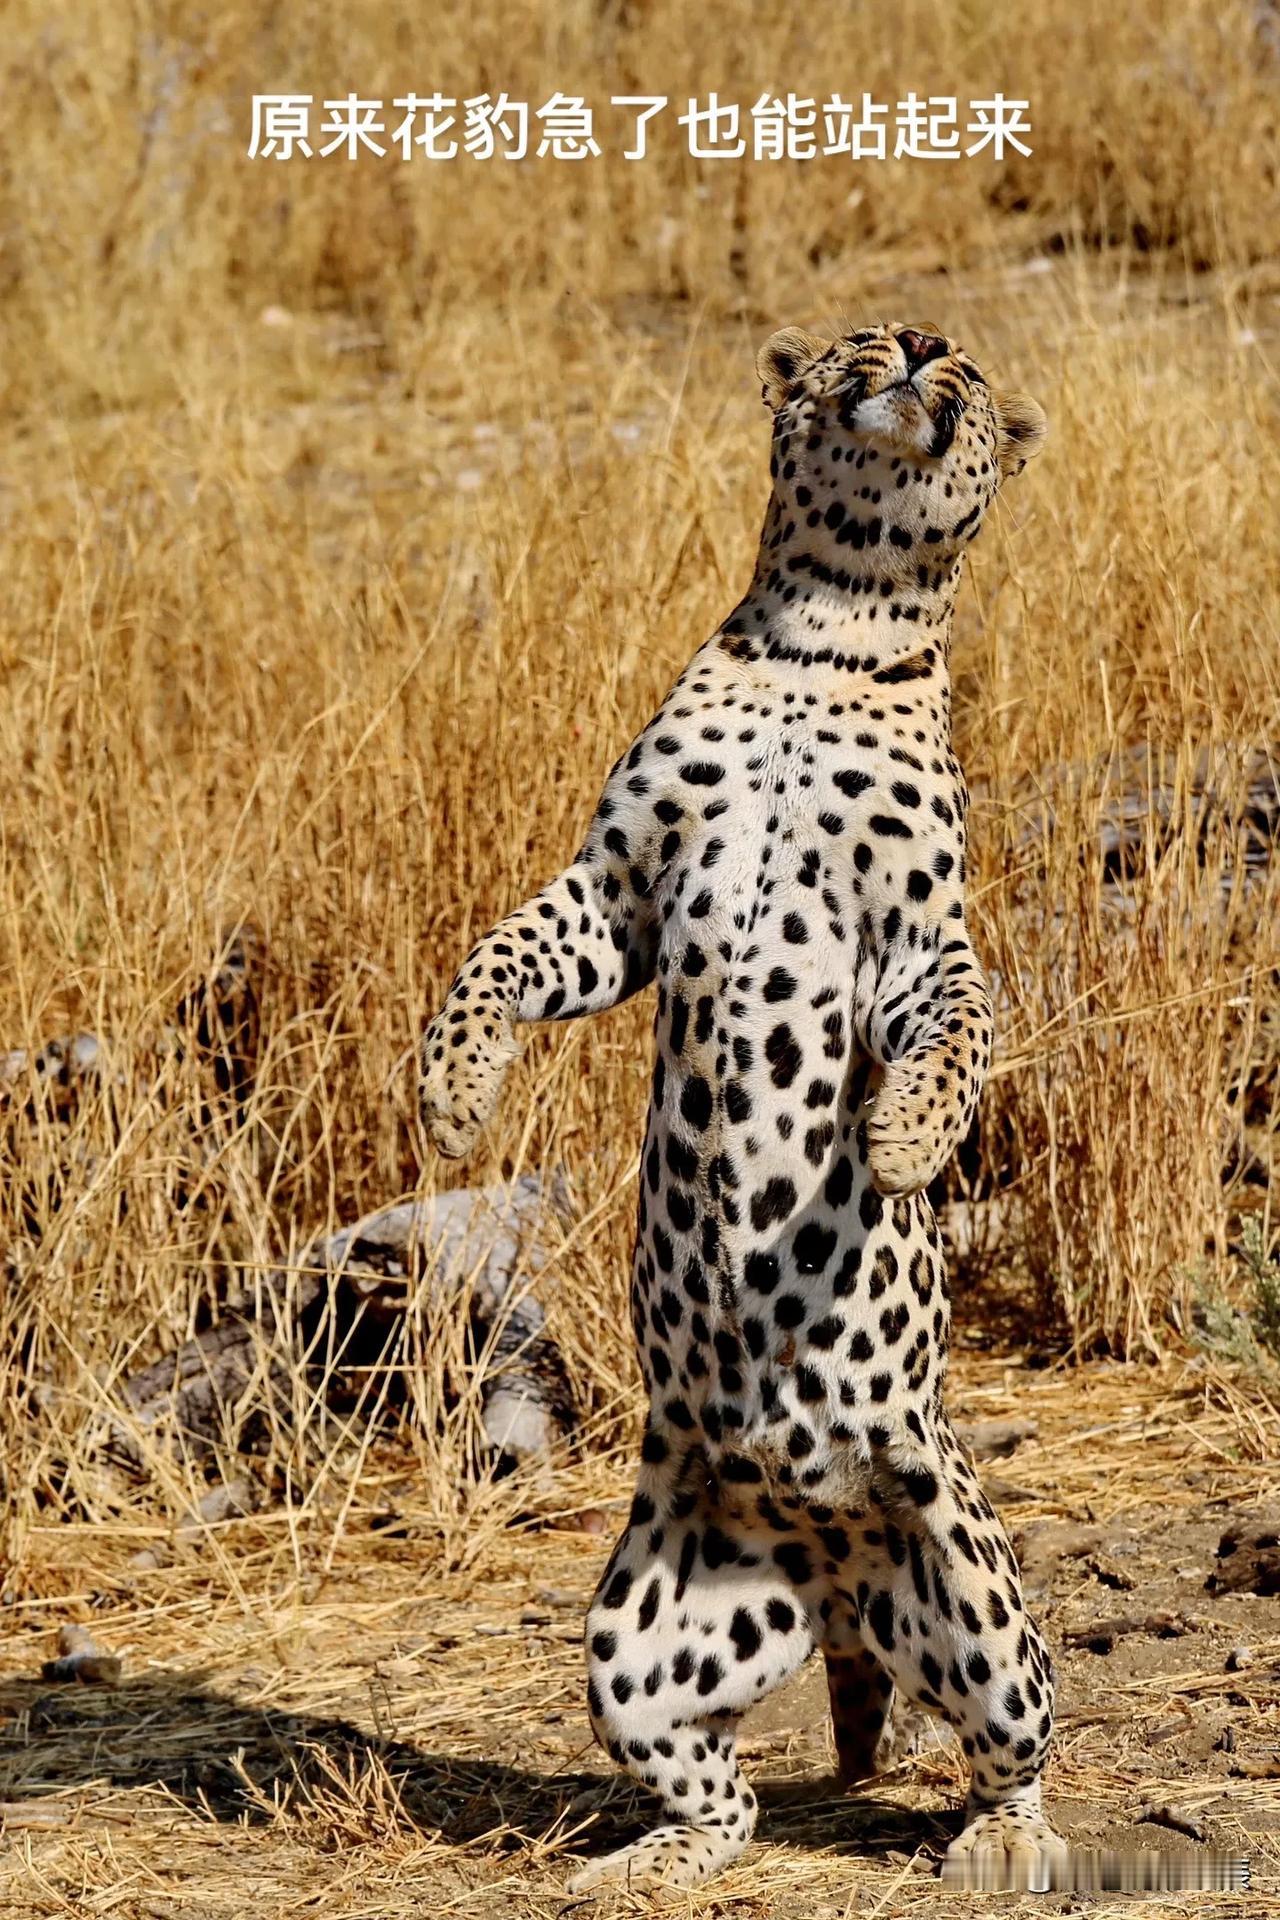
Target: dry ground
(393,1733)
(351,522)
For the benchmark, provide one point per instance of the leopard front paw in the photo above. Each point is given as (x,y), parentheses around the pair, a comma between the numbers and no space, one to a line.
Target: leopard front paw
(913,1125)
(463,1062)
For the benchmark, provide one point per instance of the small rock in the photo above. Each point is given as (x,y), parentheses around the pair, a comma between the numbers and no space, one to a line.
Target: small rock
(995,1439)
(590,1520)
(228,1500)
(148,1559)
(1239,1658)
(81,1658)
(1249,1557)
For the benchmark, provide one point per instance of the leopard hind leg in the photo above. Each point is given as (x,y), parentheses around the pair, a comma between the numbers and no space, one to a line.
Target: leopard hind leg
(701,1612)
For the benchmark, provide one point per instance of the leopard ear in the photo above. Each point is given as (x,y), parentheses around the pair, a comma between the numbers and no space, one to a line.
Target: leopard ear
(783,358)
(1022,428)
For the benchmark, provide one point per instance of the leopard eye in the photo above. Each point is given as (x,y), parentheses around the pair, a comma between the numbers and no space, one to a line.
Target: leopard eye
(971,373)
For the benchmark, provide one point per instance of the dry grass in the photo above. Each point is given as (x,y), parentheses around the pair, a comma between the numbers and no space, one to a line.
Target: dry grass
(128,190)
(334,615)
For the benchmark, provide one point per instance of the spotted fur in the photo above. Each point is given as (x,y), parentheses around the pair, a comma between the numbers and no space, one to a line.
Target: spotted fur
(783,851)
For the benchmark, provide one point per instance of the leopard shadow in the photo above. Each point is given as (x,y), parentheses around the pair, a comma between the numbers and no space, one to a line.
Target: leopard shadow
(236,1762)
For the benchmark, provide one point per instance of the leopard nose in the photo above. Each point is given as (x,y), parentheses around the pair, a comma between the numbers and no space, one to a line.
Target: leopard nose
(919,348)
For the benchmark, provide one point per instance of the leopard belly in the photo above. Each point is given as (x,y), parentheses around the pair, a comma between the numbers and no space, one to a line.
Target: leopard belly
(780,1302)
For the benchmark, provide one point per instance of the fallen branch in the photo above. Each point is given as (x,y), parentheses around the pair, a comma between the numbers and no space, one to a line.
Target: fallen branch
(342,1305)
(1102,1635)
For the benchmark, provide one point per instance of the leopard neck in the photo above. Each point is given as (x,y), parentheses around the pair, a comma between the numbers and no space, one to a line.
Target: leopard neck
(866,585)
(813,621)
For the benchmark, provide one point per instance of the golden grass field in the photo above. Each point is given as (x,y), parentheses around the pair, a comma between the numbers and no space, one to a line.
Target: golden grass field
(354,518)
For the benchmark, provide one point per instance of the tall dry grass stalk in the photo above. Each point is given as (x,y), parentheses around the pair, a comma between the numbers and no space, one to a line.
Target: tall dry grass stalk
(1138,651)
(334,619)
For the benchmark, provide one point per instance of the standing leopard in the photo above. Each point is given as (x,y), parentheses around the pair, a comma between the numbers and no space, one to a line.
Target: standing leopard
(783,851)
